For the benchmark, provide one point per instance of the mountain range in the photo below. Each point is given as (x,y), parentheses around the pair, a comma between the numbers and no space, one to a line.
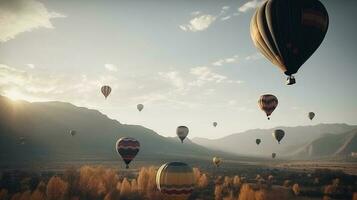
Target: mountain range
(295,144)
(32,131)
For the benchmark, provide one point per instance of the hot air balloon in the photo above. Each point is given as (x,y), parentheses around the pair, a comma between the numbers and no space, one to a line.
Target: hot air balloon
(273,155)
(288,32)
(311,115)
(278,134)
(215,124)
(72,132)
(127,149)
(268,103)
(106,90)
(258,141)
(217,161)
(175,180)
(182,132)
(140,107)
(22,140)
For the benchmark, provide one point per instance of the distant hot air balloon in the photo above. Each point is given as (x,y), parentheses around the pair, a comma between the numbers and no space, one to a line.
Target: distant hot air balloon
(258,141)
(288,32)
(140,107)
(268,103)
(175,180)
(127,149)
(72,132)
(215,124)
(22,140)
(217,161)
(106,90)
(273,155)
(182,132)
(278,134)
(311,115)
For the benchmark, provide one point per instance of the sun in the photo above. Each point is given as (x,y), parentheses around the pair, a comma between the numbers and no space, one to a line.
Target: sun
(15,95)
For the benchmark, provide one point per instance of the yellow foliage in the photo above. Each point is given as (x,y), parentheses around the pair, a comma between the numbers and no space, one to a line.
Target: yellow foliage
(296,189)
(218,192)
(56,189)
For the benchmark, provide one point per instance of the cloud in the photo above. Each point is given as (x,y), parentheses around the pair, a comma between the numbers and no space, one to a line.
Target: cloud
(221,62)
(31,66)
(199,23)
(255,56)
(226,18)
(174,78)
(250,5)
(194,13)
(18,16)
(111,67)
(205,75)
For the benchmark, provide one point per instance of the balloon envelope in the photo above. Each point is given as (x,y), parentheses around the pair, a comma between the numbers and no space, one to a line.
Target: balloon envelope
(278,134)
(127,148)
(288,32)
(273,155)
(175,180)
(215,124)
(311,115)
(106,90)
(72,132)
(140,107)
(268,103)
(217,161)
(182,132)
(258,141)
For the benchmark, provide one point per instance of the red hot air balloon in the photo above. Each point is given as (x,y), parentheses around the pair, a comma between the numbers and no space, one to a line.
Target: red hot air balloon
(127,148)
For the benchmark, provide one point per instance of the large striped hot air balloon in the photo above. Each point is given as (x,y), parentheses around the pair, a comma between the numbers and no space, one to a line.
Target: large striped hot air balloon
(268,103)
(106,90)
(182,132)
(127,149)
(175,180)
(288,32)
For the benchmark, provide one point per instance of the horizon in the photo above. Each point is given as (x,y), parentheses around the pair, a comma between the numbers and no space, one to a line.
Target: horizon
(189,64)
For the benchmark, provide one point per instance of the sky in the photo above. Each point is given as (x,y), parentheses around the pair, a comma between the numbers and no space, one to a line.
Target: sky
(189,62)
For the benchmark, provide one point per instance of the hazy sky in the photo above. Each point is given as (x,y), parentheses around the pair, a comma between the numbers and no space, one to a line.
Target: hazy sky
(190,62)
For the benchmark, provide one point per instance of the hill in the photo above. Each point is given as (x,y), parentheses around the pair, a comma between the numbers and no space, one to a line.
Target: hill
(295,138)
(329,145)
(44,128)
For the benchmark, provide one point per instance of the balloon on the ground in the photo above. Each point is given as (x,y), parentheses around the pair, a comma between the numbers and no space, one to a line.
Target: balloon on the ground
(127,148)
(175,180)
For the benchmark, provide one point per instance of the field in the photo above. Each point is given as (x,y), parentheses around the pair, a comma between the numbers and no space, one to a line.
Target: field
(92,180)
